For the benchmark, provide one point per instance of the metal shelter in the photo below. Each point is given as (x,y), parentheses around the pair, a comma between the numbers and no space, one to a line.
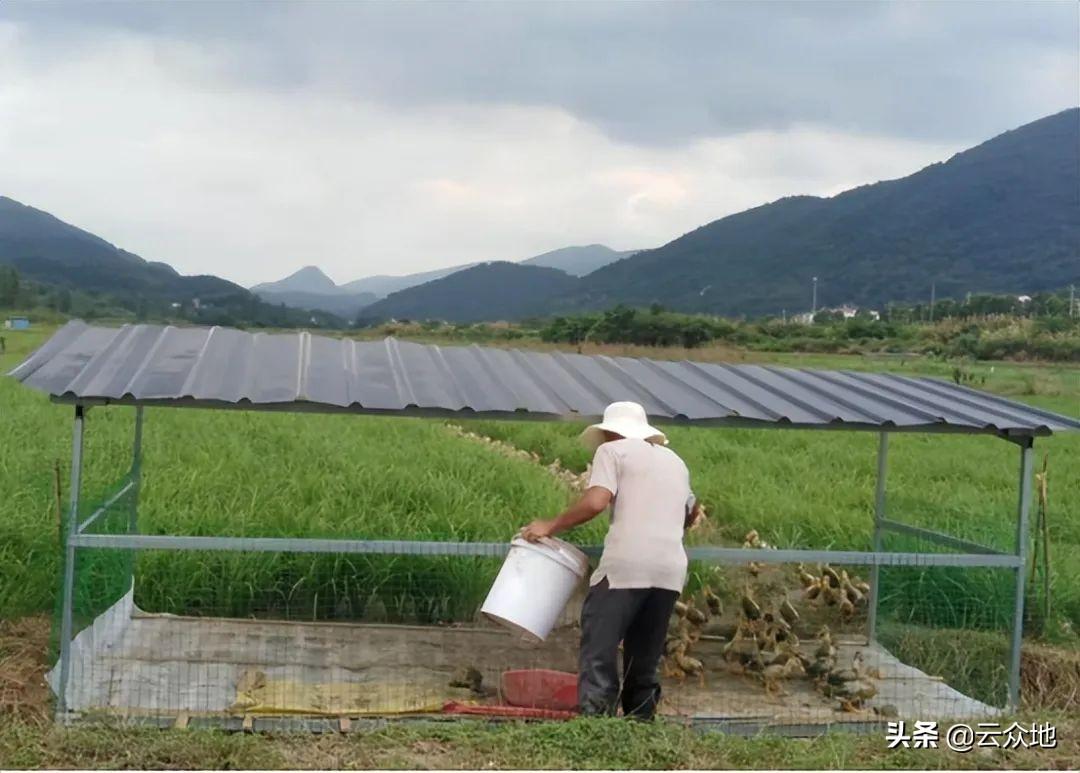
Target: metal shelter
(146,365)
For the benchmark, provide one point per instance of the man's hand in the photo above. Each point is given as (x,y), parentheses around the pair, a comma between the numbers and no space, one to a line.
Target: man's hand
(537,530)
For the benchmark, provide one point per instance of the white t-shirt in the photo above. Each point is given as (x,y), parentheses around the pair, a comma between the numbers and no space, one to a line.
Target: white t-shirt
(651,488)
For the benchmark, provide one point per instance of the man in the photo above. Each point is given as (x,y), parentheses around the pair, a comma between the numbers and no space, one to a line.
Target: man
(643,567)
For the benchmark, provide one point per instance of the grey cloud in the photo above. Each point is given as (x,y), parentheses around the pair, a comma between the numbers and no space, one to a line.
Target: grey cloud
(646,73)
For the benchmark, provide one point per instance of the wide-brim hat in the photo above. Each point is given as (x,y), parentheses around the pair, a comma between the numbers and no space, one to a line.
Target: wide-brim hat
(626,419)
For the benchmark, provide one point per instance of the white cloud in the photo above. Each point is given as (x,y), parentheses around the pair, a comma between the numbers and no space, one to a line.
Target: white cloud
(145,142)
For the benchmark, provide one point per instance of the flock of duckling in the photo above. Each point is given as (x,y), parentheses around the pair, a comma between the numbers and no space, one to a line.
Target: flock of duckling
(764,643)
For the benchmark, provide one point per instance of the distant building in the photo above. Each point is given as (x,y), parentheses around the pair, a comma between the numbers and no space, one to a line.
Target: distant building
(848,312)
(1024,298)
(16,323)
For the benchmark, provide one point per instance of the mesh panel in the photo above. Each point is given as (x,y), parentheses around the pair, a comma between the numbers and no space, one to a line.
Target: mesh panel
(228,634)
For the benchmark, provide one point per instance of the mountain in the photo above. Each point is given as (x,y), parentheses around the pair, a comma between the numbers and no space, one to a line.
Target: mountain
(578,261)
(382,285)
(310,288)
(1001,217)
(74,270)
(309,279)
(488,291)
(48,250)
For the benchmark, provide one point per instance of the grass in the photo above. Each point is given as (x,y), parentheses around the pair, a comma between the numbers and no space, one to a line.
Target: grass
(580,744)
(221,472)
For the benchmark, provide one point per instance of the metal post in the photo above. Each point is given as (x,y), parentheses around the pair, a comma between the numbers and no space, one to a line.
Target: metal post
(1023,513)
(136,471)
(879,516)
(69,561)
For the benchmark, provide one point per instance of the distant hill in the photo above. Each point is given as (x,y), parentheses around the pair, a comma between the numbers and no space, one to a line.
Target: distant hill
(56,257)
(489,291)
(578,261)
(313,289)
(1001,217)
(310,288)
(382,285)
(309,279)
(46,249)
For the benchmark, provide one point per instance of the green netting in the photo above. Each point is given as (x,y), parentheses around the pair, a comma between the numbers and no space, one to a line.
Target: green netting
(950,622)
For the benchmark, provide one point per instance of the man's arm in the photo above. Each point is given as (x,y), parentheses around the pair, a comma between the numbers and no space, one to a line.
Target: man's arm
(593,502)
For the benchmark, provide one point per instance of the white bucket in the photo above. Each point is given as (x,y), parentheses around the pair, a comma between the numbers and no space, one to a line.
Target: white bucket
(534,585)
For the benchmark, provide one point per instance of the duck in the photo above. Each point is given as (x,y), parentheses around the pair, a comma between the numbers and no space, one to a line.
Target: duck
(681,608)
(713,602)
(750,607)
(772,674)
(853,594)
(788,612)
(695,616)
(853,695)
(825,648)
(847,609)
(840,676)
(805,578)
(830,573)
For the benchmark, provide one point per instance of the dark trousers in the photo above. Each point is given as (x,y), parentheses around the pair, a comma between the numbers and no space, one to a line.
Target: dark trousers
(637,617)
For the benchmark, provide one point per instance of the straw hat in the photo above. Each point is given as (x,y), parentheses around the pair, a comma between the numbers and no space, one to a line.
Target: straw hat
(626,419)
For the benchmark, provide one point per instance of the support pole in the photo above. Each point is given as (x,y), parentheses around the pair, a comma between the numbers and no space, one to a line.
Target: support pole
(69,562)
(136,479)
(136,471)
(1022,519)
(879,517)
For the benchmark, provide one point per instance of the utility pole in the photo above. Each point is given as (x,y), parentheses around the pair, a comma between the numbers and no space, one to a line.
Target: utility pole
(933,287)
(813,307)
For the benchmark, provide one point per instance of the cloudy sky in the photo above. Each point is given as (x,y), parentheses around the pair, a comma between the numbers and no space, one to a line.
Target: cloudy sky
(247,140)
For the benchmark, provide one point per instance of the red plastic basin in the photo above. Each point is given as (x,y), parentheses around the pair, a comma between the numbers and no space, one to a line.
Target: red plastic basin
(540,688)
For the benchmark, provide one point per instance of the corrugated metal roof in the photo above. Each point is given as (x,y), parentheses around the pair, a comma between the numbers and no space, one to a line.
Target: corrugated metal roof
(178,366)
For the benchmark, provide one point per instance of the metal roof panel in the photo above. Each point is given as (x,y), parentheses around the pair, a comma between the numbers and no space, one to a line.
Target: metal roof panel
(166,365)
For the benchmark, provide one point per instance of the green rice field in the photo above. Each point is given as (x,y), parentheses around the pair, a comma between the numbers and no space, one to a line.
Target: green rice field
(236,473)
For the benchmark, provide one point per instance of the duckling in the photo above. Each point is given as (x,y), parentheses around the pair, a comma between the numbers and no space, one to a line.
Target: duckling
(752,539)
(851,592)
(771,675)
(854,694)
(863,586)
(818,668)
(847,609)
(750,607)
(754,568)
(825,648)
(805,578)
(468,676)
(681,608)
(830,573)
(830,594)
(840,676)
(688,666)
(811,592)
(695,616)
(713,602)
(788,612)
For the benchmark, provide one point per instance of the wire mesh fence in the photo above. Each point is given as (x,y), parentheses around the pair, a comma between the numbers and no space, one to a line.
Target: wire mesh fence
(240,633)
